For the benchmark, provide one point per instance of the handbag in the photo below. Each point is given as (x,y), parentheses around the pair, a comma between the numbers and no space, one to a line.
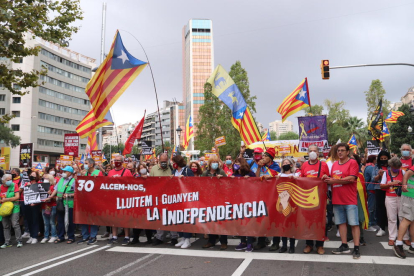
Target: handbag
(6,208)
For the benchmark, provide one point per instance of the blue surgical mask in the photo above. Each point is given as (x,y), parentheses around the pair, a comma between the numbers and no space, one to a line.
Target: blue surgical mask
(214,166)
(86,167)
(201,163)
(9,183)
(228,162)
(405,153)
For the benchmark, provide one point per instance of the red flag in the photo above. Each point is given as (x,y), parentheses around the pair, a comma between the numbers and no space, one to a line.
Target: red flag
(135,135)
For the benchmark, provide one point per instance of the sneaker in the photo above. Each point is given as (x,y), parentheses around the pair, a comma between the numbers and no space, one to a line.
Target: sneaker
(6,245)
(371,229)
(52,239)
(337,234)
(112,241)
(92,241)
(411,250)
(241,246)
(259,246)
(186,243)
(342,249)
(249,248)
(283,249)
(274,247)
(362,242)
(29,240)
(44,240)
(82,241)
(19,244)
(180,243)
(355,254)
(26,235)
(105,235)
(399,251)
(329,228)
(174,241)
(380,233)
(208,245)
(34,241)
(157,242)
(126,241)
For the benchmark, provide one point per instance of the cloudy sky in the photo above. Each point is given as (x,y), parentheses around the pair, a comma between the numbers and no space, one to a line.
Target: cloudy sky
(278,42)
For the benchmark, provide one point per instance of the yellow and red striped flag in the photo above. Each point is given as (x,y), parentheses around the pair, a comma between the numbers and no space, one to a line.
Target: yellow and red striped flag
(296,101)
(393,116)
(362,196)
(227,91)
(189,132)
(92,143)
(112,78)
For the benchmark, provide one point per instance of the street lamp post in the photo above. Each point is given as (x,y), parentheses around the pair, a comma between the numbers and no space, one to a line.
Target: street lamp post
(178,130)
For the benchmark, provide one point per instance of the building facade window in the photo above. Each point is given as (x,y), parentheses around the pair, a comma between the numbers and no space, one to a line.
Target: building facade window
(2,111)
(51,130)
(49,143)
(62,72)
(57,119)
(62,96)
(62,108)
(15,127)
(65,61)
(17,100)
(2,97)
(16,113)
(62,84)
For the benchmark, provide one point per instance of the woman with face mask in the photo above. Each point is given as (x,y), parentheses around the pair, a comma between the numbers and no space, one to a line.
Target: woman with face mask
(49,212)
(196,168)
(9,192)
(212,170)
(381,211)
(32,211)
(142,170)
(52,172)
(288,170)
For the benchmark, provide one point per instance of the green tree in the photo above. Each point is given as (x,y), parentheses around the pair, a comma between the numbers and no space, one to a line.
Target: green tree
(375,93)
(215,117)
(315,110)
(7,137)
(108,150)
(273,136)
(23,19)
(289,136)
(399,130)
(335,120)
(167,147)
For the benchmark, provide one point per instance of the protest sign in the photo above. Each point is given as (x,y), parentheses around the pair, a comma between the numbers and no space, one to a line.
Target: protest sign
(36,193)
(312,130)
(282,147)
(2,162)
(97,156)
(5,152)
(66,160)
(373,148)
(146,147)
(207,155)
(71,144)
(220,141)
(26,155)
(284,207)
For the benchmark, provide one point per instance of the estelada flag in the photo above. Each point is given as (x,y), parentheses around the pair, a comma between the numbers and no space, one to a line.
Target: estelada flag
(393,116)
(112,78)
(352,143)
(362,196)
(227,91)
(92,144)
(296,101)
(188,133)
(376,122)
(136,134)
(266,136)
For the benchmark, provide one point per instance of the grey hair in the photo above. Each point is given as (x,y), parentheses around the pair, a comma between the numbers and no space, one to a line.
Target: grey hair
(313,145)
(3,179)
(406,145)
(395,162)
(122,158)
(91,161)
(292,162)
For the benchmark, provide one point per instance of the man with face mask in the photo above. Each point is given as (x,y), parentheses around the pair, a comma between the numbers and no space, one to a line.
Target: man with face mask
(119,171)
(314,168)
(267,167)
(257,156)
(163,169)
(228,166)
(406,160)
(202,162)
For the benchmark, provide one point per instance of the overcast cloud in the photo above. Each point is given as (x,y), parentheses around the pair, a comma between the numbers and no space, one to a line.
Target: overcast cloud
(278,42)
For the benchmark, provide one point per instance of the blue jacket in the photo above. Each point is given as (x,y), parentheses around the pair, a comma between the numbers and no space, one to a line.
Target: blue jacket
(185,171)
(369,177)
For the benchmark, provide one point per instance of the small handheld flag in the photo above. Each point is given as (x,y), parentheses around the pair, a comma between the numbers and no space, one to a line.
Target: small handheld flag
(266,136)
(352,142)
(296,101)
(393,116)
(188,132)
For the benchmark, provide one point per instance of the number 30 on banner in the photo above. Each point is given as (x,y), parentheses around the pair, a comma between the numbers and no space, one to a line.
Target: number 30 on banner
(87,184)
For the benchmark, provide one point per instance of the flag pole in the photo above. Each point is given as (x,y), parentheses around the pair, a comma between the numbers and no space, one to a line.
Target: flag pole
(100,140)
(155,88)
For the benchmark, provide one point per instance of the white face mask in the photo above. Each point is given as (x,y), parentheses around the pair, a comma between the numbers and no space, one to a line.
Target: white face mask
(143,171)
(64,175)
(52,172)
(313,155)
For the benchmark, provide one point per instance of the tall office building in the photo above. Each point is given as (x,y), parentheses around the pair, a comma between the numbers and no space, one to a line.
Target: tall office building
(55,107)
(198,64)
(281,127)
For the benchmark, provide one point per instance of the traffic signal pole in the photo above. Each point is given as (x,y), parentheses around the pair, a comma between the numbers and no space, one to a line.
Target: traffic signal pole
(367,65)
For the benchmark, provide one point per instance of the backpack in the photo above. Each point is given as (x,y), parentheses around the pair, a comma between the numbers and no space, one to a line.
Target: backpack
(6,208)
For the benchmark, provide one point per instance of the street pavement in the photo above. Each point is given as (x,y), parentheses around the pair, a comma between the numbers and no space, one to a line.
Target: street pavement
(142,259)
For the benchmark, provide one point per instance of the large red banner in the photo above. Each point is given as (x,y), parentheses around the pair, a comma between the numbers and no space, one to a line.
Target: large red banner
(71,144)
(246,207)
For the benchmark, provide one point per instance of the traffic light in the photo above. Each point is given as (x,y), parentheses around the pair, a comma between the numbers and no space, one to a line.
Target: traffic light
(325,69)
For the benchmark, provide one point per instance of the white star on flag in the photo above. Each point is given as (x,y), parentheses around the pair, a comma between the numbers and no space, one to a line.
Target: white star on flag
(123,56)
(302,93)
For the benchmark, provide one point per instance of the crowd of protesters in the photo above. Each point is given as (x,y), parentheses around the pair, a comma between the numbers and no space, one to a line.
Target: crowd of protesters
(389,186)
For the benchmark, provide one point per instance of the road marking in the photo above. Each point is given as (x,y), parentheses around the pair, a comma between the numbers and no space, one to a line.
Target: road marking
(50,260)
(305,270)
(328,258)
(65,261)
(128,265)
(327,244)
(242,267)
(143,265)
(386,246)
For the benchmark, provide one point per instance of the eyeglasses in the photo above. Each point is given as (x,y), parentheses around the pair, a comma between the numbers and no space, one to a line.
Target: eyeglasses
(340,150)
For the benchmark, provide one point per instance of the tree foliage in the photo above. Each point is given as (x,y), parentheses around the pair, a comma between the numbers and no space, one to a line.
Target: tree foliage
(273,135)
(399,130)
(374,94)
(215,117)
(108,150)
(288,136)
(7,137)
(315,110)
(23,19)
